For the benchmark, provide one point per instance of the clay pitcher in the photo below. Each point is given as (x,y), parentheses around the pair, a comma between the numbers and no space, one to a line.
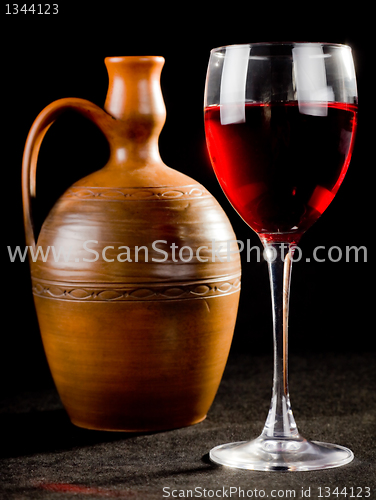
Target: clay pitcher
(136,328)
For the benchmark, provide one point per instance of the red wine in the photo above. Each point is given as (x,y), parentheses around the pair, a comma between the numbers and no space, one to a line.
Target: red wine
(282,165)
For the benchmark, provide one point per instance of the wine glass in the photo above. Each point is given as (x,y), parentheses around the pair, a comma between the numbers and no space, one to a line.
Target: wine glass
(280,121)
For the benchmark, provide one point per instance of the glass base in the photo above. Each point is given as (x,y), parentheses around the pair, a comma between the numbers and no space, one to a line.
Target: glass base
(281,454)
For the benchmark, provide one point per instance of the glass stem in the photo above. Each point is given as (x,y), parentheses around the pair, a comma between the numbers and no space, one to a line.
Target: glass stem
(280,422)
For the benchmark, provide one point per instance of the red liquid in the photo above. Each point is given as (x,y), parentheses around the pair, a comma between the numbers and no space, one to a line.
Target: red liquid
(283,165)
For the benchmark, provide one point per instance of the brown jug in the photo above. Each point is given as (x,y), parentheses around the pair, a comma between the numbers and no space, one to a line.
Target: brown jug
(136,328)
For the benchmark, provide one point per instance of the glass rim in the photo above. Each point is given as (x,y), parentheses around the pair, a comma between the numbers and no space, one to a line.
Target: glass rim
(259,44)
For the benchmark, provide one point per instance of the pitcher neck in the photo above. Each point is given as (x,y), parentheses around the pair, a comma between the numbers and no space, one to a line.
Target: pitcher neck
(135,100)
(134,88)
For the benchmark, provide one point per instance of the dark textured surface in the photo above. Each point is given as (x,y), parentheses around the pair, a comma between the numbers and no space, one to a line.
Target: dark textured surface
(333,396)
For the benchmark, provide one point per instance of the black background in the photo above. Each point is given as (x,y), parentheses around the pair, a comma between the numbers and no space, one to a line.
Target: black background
(46,57)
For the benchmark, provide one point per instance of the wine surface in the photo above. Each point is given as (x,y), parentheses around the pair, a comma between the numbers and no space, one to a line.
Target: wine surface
(282,165)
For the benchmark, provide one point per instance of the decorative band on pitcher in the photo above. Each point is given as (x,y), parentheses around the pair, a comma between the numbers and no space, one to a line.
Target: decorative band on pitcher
(142,292)
(137,193)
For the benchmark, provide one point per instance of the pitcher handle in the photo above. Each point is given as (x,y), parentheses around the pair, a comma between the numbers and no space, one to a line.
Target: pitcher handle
(42,123)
